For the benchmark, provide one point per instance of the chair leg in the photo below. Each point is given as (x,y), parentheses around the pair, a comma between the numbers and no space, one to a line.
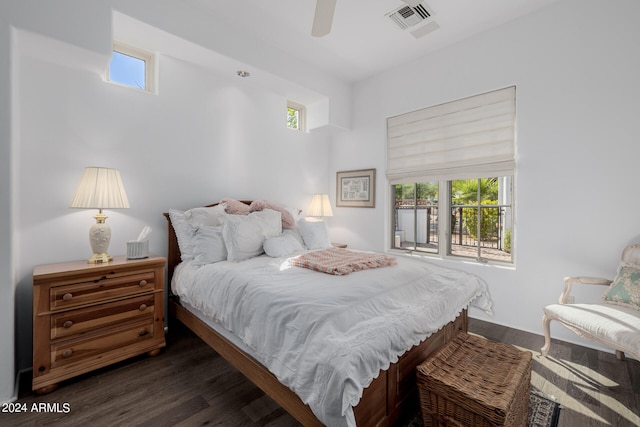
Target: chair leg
(546,322)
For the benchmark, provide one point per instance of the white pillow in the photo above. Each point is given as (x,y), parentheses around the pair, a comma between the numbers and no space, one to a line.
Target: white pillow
(283,245)
(205,216)
(270,220)
(209,246)
(185,233)
(244,234)
(314,234)
(185,224)
(295,233)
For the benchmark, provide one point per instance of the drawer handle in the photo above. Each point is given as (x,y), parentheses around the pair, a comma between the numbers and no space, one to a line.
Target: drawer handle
(143,307)
(67,324)
(142,332)
(142,283)
(67,353)
(67,296)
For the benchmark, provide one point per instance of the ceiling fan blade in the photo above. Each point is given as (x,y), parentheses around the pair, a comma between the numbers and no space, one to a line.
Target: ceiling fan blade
(323,17)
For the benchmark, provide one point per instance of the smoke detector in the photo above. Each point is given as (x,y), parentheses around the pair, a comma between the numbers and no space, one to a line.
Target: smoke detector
(414,17)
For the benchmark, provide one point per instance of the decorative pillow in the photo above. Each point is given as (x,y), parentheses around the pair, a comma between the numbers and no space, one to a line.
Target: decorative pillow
(287,218)
(235,207)
(295,233)
(282,245)
(270,221)
(314,234)
(244,235)
(185,233)
(209,245)
(625,288)
(205,216)
(631,255)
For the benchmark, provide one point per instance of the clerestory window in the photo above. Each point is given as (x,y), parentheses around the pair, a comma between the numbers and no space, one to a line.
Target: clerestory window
(296,116)
(132,67)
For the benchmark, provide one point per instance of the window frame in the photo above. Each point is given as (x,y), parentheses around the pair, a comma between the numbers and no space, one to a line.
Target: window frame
(149,60)
(468,138)
(445,226)
(302,115)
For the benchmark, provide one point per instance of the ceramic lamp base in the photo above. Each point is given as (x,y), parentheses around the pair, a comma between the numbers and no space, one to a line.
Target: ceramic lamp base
(99,237)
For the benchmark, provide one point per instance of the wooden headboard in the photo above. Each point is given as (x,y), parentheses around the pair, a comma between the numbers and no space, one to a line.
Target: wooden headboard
(173,250)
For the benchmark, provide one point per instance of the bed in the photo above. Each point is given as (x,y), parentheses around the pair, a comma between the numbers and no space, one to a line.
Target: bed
(338,388)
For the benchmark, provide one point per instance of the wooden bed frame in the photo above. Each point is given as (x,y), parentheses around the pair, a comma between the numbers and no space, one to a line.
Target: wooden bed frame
(392,394)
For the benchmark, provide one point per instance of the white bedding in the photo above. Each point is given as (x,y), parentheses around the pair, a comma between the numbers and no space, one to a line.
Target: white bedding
(327,337)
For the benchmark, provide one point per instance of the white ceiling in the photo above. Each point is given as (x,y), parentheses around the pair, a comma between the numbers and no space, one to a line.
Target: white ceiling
(363,41)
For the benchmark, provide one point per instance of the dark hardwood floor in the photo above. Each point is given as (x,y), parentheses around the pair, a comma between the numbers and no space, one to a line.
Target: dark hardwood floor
(188,384)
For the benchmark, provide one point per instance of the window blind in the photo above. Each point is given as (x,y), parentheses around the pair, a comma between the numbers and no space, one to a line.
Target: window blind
(469,138)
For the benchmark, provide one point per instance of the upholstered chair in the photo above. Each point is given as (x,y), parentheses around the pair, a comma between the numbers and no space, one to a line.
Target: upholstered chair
(614,320)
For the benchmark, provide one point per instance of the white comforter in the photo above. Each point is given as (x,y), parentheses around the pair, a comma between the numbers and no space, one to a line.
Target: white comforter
(327,337)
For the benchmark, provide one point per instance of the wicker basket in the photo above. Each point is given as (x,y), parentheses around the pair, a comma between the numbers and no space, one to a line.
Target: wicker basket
(474,382)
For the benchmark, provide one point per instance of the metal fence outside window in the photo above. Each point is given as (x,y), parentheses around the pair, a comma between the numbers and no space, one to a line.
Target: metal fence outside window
(423,217)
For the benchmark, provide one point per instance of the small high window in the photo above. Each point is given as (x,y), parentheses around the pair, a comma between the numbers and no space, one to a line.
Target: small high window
(295,116)
(132,67)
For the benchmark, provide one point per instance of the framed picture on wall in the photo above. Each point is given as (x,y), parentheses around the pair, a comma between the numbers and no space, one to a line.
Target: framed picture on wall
(356,189)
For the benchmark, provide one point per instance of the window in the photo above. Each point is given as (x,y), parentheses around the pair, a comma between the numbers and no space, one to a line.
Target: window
(131,67)
(416,225)
(295,116)
(451,171)
(478,208)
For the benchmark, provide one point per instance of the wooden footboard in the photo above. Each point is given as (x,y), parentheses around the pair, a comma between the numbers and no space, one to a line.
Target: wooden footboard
(392,394)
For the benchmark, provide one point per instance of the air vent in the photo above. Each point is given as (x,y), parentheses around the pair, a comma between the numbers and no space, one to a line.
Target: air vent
(414,18)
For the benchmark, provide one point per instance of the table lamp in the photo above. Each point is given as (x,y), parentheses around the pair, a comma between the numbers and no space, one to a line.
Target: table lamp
(320,206)
(100,188)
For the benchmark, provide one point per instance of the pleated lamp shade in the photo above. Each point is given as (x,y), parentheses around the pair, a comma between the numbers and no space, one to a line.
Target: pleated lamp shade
(100,188)
(320,206)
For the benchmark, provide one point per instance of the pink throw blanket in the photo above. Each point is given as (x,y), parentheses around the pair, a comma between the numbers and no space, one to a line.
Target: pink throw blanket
(340,261)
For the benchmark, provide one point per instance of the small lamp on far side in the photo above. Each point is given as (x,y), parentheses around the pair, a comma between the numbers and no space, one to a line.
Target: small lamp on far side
(320,206)
(100,188)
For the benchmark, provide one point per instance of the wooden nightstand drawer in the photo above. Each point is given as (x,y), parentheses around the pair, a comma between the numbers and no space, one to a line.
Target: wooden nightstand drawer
(102,288)
(87,316)
(80,350)
(87,319)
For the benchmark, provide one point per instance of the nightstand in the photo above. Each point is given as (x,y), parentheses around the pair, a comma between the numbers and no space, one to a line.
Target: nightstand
(87,316)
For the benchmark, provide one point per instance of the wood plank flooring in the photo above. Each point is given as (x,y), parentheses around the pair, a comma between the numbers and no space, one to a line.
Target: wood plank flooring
(594,388)
(188,384)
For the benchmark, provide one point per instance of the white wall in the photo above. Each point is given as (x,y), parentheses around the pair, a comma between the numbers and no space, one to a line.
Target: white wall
(204,136)
(7,282)
(576,67)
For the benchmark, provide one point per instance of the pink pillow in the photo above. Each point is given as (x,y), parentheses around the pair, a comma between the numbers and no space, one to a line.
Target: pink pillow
(287,218)
(236,207)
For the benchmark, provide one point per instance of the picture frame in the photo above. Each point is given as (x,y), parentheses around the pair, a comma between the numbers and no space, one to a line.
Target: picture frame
(356,189)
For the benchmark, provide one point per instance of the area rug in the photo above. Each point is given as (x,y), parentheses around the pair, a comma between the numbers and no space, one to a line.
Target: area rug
(543,412)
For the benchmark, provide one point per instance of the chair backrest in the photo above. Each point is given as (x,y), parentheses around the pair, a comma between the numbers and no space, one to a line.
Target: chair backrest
(631,255)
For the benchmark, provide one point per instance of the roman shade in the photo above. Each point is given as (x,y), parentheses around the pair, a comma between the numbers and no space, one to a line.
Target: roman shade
(469,138)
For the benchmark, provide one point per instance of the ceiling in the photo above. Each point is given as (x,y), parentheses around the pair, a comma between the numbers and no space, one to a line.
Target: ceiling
(363,41)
